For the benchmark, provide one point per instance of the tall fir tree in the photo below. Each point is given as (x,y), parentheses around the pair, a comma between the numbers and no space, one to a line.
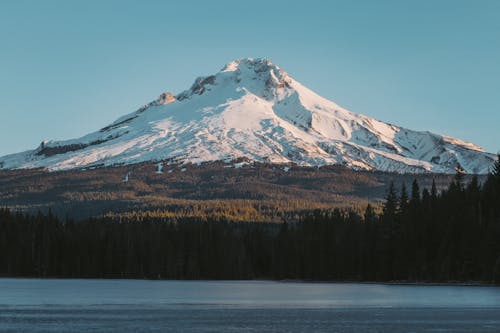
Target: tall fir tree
(403,200)
(415,193)
(434,192)
(391,204)
(370,215)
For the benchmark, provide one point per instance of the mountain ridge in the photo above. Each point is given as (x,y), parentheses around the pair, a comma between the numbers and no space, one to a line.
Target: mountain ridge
(254,110)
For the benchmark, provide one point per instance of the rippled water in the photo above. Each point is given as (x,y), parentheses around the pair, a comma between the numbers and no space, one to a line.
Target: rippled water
(243,306)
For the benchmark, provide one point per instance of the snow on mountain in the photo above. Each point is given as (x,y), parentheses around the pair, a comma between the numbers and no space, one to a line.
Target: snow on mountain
(252,109)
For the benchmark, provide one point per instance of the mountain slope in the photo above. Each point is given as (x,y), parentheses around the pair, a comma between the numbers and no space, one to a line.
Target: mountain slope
(252,109)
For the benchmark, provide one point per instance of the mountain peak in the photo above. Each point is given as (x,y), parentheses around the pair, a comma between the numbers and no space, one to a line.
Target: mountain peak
(257,64)
(259,76)
(254,69)
(252,109)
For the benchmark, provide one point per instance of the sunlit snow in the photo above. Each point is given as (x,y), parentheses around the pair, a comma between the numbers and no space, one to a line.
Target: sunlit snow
(254,110)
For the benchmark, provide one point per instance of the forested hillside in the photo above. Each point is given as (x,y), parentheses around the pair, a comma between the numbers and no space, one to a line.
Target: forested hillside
(265,190)
(420,234)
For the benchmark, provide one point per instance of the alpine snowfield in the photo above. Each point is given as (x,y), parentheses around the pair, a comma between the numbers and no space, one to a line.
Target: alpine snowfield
(252,109)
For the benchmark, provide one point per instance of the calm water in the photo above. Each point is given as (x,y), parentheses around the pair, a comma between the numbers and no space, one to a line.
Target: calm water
(245,306)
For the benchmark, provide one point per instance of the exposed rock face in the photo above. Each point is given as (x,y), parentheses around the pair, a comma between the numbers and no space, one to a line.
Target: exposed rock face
(165,98)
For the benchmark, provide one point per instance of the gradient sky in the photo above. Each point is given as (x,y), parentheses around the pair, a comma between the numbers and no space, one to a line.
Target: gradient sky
(71,67)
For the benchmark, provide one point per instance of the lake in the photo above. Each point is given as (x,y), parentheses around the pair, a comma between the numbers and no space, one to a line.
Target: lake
(79,305)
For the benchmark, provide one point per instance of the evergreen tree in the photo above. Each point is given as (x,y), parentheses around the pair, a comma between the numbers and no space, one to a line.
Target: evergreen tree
(391,204)
(370,215)
(440,237)
(473,189)
(415,194)
(434,193)
(403,200)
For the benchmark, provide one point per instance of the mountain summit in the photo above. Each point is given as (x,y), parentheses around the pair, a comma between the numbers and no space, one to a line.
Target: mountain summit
(252,109)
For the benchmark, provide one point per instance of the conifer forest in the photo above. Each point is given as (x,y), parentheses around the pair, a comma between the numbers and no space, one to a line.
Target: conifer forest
(417,235)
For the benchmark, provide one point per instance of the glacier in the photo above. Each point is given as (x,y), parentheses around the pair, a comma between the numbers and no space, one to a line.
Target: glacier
(253,110)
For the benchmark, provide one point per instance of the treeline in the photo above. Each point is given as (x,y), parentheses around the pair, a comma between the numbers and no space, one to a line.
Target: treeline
(420,235)
(197,190)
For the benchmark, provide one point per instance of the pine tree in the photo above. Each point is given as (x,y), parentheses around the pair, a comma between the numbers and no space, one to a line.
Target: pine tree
(391,204)
(415,194)
(474,187)
(426,199)
(433,190)
(403,200)
(369,214)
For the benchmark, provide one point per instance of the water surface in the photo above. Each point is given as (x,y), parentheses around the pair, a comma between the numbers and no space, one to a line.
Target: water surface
(63,305)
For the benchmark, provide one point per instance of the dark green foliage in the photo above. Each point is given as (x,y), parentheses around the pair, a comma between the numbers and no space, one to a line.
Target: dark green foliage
(453,235)
(403,200)
(391,204)
(370,215)
(415,194)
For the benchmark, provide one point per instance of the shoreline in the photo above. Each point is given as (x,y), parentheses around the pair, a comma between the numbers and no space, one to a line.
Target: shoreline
(387,283)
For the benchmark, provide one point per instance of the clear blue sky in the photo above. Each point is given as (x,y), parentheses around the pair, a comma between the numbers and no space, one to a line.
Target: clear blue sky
(71,67)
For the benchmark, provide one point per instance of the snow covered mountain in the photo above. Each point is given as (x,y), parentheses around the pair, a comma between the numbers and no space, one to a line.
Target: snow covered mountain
(252,109)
